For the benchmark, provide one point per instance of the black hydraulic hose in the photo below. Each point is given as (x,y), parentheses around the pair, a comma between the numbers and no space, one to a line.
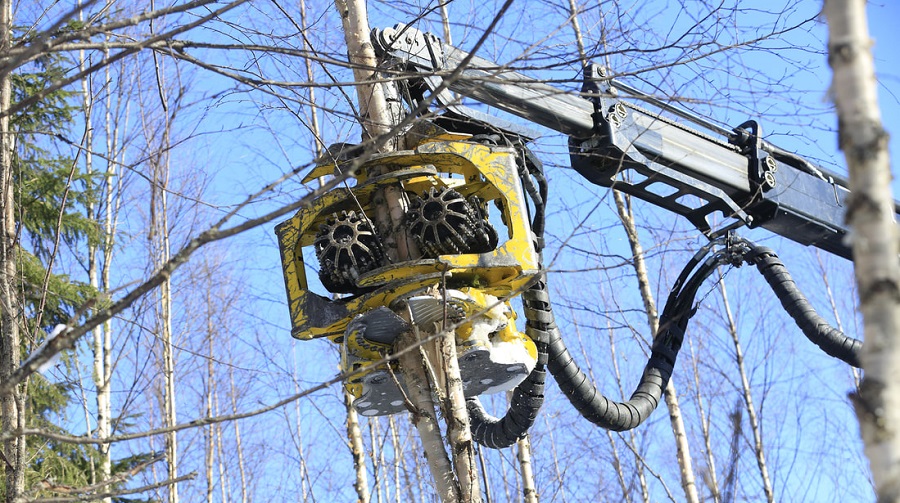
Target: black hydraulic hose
(530,166)
(497,433)
(831,340)
(528,397)
(620,416)
(536,169)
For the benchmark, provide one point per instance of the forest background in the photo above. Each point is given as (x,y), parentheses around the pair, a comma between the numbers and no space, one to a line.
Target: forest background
(139,126)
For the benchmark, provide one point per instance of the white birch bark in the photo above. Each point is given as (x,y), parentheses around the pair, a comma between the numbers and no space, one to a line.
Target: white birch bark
(100,372)
(870,213)
(462,446)
(239,446)
(523,455)
(357,450)
(425,420)
(12,403)
(103,343)
(209,432)
(712,478)
(162,252)
(390,207)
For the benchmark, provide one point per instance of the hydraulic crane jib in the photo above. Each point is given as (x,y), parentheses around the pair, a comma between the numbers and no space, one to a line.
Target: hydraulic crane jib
(718,184)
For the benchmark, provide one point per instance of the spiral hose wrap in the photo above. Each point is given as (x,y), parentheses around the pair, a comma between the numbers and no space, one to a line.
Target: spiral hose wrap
(528,396)
(619,416)
(831,340)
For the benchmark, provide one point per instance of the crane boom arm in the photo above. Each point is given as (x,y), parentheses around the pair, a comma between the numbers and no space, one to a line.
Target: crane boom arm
(718,180)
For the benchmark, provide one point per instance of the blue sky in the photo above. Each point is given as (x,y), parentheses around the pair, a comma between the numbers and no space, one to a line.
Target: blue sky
(257,151)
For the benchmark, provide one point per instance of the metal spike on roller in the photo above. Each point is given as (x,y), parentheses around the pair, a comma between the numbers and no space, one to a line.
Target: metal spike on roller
(347,247)
(443,222)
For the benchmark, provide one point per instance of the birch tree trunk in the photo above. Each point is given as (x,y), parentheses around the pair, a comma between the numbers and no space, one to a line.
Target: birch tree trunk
(209,433)
(425,420)
(103,339)
(683,451)
(870,213)
(373,110)
(391,204)
(671,394)
(462,446)
(12,409)
(375,122)
(523,455)
(101,357)
(711,477)
(239,446)
(357,450)
(170,420)
(631,440)
(162,255)
(748,399)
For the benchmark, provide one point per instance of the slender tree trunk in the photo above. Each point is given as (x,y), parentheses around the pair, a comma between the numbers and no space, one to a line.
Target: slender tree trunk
(209,432)
(224,485)
(239,446)
(391,204)
(169,396)
(688,482)
(425,420)
(373,108)
(103,340)
(748,399)
(459,435)
(857,376)
(870,212)
(617,467)
(313,106)
(163,252)
(12,408)
(208,438)
(305,484)
(95,251)
(557,471)
(506,484)
(631,441)
(617,464)
(397,463)
(640,269)
(482,464)
(355,443)
(712,477)
(377,119)
(523,454)
(376,454)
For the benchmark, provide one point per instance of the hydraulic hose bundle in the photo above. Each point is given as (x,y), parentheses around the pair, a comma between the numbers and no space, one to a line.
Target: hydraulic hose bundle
(679,308)
(607,136)
(620,416)
(831,340)
(528,396)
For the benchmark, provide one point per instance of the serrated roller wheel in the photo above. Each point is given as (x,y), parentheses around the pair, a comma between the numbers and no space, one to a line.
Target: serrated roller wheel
(443,222)
(346,246)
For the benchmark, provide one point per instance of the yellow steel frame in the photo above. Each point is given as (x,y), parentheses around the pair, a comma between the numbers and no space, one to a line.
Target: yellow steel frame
(470,168)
